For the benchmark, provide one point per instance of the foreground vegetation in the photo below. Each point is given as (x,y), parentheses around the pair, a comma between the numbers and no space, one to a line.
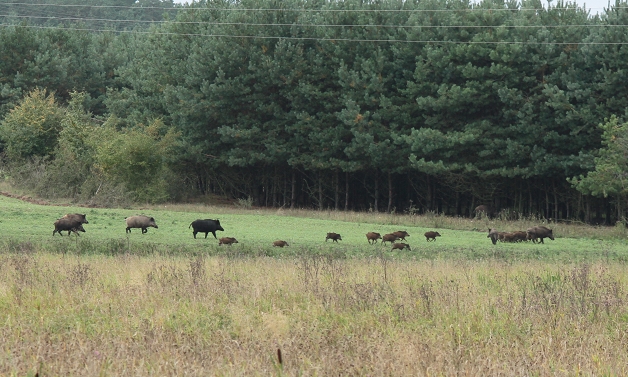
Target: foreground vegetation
(129,315)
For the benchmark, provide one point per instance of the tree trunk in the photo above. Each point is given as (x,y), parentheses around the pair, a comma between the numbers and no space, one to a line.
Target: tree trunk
(547,210)
(390,192)
(555,200)
(273,194)
(293,188)
(375,207)
(320,191)
(346,191)
(337,191)
(428,197)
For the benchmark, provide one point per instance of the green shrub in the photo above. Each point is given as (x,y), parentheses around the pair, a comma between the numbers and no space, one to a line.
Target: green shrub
(31,128)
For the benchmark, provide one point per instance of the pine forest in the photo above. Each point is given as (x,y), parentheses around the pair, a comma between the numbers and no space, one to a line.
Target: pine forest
(393,106)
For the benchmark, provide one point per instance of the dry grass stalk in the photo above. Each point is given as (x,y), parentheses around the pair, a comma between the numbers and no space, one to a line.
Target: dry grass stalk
(216,316)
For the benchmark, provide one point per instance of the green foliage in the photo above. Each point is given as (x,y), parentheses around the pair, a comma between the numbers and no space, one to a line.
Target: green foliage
(610,176)
(137,158)
(66,172)
(450,90)
(32,127)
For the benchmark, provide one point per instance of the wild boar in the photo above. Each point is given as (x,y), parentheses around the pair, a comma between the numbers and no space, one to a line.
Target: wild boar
(501,236)
(280,243)
(140,221)
(400,246)
(80,218)
(372,237)
(431,236)
(485,210)
(401,234)
(509,237)
(390,237)
(227,241)
(539,233)
(333,236)
(520,236)
(493,234)
(205,226)
(69,225)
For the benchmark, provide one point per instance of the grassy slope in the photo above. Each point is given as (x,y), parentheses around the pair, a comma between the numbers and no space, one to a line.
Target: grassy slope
(256,230)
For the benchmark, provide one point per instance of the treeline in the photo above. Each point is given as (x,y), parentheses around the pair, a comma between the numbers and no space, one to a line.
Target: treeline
(402,106)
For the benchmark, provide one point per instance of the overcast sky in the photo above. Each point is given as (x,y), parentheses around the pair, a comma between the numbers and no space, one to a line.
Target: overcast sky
(595,6)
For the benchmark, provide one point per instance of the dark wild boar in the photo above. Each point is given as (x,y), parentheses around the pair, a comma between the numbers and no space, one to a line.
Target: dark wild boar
(493,234)
(140,221)
(400,246)
(280,243)
(372,237)
(390,237)
(401,234)
(333,236)
(485,210)
(227,241)
(69,225)
(205,226)
(539,233)
(431,236)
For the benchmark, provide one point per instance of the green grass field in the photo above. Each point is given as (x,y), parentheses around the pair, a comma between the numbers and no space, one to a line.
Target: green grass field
(163,303)
(256,230)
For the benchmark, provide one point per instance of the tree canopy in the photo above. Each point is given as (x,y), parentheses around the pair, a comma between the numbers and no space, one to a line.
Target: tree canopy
(438,104)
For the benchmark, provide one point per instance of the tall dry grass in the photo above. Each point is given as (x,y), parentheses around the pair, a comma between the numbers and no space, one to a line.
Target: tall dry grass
(328,315)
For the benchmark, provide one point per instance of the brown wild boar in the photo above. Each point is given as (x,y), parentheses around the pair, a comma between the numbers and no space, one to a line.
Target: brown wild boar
(520,236)
(280,243)
(400,246)
(227,241)
(401,234)
(140,221)
(509,237)
(539,233)
(431,236)
(493,234)
(69,225)
(80,218)
(390,237)
(334,237)
(372,237)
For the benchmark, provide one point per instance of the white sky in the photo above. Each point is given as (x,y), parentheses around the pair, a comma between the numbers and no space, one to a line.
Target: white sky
(595,6)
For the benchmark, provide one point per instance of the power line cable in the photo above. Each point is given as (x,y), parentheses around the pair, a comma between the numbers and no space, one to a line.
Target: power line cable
(236,9)
(384,26)
(330,39)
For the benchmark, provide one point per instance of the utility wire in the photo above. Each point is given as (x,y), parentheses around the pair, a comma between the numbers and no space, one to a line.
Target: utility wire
(330,39)
(311,25)
(236,9)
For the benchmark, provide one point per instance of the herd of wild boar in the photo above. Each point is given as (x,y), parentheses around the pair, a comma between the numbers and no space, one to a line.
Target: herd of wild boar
(73,223)
(534,234)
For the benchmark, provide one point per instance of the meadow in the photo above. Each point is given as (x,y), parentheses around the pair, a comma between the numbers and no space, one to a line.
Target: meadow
(163,303)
